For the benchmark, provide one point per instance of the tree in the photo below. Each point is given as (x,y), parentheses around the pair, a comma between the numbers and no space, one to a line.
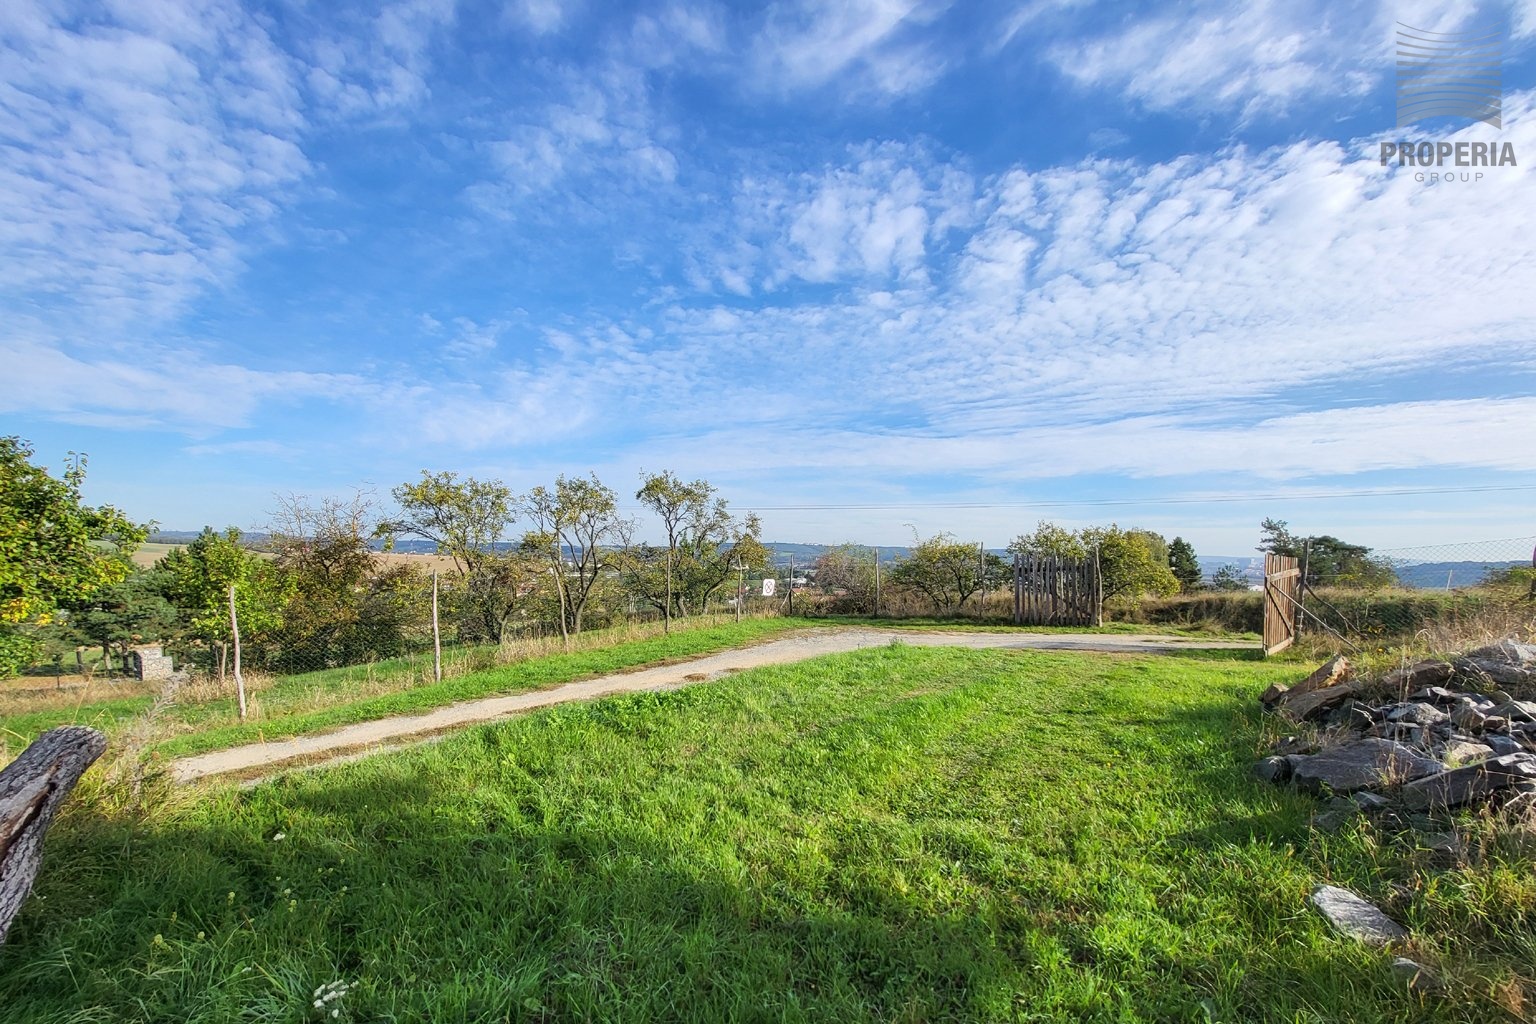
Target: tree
(466,519)
(54,548)
(346,606)
(201,575)
(1128,563)
(712,546)
(705,545)
(848,571)
(1229,578)
(946,571)
(1049,540)
(1184,564)
(673,502)
(119,615)
(578,517)
(1329,561)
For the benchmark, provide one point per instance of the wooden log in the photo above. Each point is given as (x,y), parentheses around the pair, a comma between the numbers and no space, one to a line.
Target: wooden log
(31,789)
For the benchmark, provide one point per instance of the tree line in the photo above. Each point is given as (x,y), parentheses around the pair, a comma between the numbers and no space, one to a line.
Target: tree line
(314,592)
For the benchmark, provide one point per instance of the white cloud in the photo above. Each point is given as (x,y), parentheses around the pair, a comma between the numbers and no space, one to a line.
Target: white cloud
(604,127)
(1262,58)
(877,45)
(153,388)
(1118,316)
(137,150)
(541,17)
(376,64)
(472,340)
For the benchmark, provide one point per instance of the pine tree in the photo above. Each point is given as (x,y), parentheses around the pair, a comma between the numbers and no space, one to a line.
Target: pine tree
(1186,568)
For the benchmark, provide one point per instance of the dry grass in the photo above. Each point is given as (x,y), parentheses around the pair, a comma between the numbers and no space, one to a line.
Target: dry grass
(27,694)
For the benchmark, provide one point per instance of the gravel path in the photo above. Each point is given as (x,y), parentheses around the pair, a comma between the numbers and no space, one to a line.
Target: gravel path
(363,738)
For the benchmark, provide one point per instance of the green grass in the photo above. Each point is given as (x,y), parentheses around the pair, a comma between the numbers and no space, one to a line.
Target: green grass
(19,728)
(316,701)
(898,834)
(288,707)
(997,625)
(970,625)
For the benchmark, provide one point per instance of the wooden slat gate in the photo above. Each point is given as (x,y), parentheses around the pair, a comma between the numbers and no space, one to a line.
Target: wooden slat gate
(1050,591)
(1282,598)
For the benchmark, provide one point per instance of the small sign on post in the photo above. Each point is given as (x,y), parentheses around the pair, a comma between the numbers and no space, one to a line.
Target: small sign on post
(769,585)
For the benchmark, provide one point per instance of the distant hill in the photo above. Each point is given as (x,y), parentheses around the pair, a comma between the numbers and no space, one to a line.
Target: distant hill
(1440,575)
(805,554)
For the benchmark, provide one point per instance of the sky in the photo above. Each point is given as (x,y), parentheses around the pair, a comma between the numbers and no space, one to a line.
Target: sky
(876,268)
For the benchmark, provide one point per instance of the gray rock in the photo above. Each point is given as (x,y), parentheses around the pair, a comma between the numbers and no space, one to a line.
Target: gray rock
(1469,674)
(1332,672)
(1464,752)
(1313,703)
(1370,802)
(1436,695)
(1355,917)
(1415,976)
(1417,713)
(1501,745)
(1353,716)
(1508,652)
(1295,745)
(1272,769)
(1418,676)
(1470,784)
(1442,843)
(1412,735)
(1272,695)
(1362,764)
(1506,675)
(1469,718)
(1333,821)
(1517,710)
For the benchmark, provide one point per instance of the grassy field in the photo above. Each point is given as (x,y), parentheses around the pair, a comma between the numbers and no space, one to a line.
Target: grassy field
(899,834)
(206,717)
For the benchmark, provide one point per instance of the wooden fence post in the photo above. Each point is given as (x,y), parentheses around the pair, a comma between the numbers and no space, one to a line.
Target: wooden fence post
(437,638)
(234,628)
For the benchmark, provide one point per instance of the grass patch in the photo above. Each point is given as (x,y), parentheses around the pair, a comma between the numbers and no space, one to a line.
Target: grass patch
(311,715)
(901,834)
(206,717)
(971,625)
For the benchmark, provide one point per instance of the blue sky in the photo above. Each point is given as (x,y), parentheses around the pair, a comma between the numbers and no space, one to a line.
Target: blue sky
(860,264)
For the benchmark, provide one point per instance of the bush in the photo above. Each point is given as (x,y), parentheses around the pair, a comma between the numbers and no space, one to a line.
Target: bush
(1233,611)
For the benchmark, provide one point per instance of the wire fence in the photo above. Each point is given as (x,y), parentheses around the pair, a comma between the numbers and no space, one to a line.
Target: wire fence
(1470,589)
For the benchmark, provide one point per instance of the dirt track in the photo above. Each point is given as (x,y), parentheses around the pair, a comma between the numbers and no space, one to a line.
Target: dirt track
(366,737)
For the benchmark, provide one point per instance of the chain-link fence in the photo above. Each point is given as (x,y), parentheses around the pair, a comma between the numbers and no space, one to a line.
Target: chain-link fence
(1478,588)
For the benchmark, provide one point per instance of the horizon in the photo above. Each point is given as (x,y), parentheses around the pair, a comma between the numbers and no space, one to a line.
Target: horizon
(869,267)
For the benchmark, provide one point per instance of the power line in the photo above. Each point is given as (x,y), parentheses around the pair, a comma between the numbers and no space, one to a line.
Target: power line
(1101,502)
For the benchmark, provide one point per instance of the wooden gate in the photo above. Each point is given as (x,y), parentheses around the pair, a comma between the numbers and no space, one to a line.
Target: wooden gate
(1282,598)
(1050,591)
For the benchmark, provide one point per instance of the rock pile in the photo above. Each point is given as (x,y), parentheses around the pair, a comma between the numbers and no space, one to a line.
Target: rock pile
(1456,735)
